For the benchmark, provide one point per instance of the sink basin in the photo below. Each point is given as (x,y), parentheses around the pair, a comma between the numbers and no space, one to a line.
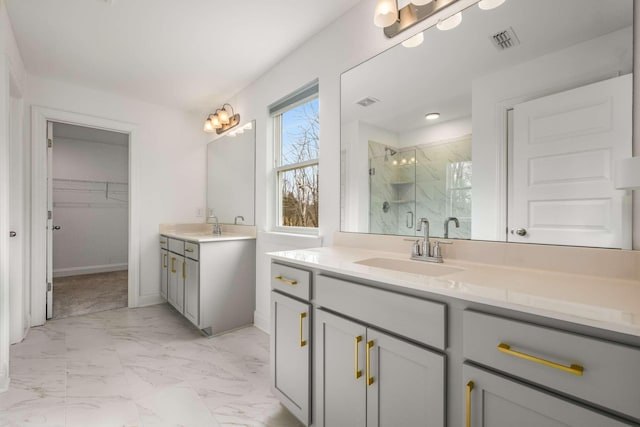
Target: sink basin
(407,266)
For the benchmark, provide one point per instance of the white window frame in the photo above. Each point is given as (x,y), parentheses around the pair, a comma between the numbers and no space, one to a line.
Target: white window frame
(278,169)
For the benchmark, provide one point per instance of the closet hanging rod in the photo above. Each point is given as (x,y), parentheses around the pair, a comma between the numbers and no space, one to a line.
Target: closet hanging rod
(85,181)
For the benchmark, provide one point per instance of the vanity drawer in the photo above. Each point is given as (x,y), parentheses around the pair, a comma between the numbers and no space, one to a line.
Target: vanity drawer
(192,250)
(176,246)
(164,242)
(292,281)
(610,377)
(415,318)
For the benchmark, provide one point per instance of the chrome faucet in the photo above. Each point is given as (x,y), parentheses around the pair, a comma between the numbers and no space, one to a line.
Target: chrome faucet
(446,225)
(235,220)
(426,247)
(424,253)
(216,226)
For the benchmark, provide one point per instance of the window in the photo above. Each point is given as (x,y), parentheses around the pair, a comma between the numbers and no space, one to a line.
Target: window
(296,127)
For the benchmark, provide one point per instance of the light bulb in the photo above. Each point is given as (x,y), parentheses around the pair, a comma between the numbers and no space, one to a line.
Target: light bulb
(414,41)
(208,126)
(421,2)
(490,4)
(223,116)
(215,121)
(450,23)
(386,13)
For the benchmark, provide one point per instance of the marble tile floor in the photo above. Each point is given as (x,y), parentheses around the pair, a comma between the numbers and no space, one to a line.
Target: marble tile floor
(140,367)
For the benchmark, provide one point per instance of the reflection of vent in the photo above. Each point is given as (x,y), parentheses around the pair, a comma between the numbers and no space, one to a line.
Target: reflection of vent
(505,39)
(367,101)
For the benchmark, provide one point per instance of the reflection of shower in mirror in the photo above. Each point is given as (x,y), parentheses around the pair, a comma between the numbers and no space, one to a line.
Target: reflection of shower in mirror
(389,151)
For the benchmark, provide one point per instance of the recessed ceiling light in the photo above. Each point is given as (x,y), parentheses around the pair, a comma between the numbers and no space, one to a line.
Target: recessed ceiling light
(432,116)
(450,23)
(490,4)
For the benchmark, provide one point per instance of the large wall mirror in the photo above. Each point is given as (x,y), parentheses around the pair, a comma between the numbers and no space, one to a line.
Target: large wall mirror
(231,177)
(507,128)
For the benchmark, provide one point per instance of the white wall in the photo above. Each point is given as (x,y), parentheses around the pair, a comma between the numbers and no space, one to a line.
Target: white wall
(171,167)
(13,319)
(94,230)
(342,45)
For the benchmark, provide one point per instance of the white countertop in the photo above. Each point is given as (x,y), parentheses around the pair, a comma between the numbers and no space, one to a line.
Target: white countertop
(610,304)
(200,237)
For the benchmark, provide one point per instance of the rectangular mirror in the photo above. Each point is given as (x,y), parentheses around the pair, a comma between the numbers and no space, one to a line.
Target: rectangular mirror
(507,128)
(231,176)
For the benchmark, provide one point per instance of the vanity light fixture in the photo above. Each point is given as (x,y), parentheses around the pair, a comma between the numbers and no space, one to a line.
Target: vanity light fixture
(394,20)
(432,116)
(490,4)
(450,23)
(221,120)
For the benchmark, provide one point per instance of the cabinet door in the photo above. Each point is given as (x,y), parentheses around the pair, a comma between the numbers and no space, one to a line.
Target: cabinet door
(406,385)
(192,291)
(340,371)
(164,272)
(291,355)
(175,294)
(496,401)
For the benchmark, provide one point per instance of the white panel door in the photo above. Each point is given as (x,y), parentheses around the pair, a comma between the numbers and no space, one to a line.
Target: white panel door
(563,152)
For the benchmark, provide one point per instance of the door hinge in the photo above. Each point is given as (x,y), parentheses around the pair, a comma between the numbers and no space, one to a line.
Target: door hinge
(49,143)
(49,215)
(49,287)
(372,171)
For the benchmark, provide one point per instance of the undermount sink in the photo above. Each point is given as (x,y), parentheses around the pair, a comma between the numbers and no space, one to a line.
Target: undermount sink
(416,267)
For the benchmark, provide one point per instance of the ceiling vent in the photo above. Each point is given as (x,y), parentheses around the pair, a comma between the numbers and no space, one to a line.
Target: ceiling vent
(505,39)
(367,101)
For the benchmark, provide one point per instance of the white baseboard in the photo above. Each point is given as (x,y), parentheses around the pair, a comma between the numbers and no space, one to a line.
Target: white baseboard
(261,322)
(145,300)
(90,269)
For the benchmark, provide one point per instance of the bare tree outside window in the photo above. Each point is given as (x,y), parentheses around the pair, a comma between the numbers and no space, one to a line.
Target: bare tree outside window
(298,171)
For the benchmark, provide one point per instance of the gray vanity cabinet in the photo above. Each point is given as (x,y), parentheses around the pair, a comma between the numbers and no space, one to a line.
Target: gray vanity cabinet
(291,339)
(370,378)
(492,400)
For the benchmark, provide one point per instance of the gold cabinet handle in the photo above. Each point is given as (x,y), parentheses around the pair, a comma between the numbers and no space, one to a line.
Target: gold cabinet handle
(302,342)
(573,369)
(164,260)
(470,386)
(287,281)
(369,377)
(184,270)
(188,250)
(163,242)
(357,371)
(173,266)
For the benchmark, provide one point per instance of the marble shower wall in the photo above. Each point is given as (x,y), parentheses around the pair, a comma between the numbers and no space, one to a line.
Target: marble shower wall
(432,181)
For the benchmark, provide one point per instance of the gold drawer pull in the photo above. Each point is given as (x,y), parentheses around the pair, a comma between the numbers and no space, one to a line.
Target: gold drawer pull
(470,386)
(164,261)
(188,250)
(369,377)
(173,266)
(573,369)
(358,372)
(302,342)
(163,242)
(287,281)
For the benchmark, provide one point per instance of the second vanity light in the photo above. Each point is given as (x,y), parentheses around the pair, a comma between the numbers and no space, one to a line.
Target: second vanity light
(223,119)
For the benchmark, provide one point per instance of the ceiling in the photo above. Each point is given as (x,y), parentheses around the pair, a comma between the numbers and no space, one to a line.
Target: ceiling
(191,54)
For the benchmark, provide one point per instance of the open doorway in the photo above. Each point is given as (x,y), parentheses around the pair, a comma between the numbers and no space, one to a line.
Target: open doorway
(89,228)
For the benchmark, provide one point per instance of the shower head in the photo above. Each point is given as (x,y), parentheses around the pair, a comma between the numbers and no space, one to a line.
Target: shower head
(389,151)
